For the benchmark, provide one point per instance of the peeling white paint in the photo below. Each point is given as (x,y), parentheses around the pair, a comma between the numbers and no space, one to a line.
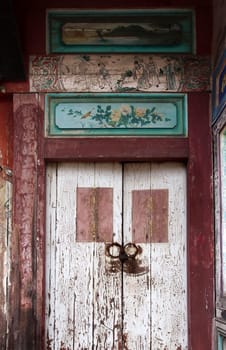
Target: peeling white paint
(89,305)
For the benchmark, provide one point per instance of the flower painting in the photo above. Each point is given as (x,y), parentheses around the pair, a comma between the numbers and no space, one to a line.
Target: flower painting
(139,114)
(118,115)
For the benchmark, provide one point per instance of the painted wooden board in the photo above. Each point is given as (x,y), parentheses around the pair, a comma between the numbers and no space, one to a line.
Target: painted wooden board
(96,301)
(120,31)
(115,114)
(119,73)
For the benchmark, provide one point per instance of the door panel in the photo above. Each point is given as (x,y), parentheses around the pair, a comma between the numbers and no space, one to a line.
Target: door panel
(155,303)
(94,300)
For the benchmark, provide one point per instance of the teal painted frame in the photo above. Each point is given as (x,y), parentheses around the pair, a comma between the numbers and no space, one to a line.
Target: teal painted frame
(131,23)
(220,341)
(109,114)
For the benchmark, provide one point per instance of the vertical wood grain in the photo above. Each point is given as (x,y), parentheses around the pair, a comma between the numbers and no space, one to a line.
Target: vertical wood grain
(5,240)
(23,248)
(155,303)
(169,263)
(6,179)
(200,221)
(137,313)
(83,299)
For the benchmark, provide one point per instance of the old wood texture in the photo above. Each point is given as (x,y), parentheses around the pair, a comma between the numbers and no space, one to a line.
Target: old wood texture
(5,240)
(25,246)
(200,224)
(6,178)
(96,301)
(83,307)
(155,302)
(119,73)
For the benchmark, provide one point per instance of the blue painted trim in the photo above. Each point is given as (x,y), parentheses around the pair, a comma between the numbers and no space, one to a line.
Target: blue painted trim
(220,342)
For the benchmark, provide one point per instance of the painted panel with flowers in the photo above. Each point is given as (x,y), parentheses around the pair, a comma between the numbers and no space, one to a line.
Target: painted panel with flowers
(109,114)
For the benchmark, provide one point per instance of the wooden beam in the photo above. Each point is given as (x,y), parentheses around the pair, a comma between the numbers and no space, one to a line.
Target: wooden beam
(121,149)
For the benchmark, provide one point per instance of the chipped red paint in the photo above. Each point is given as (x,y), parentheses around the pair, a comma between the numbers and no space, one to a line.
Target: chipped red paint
(150,216)
(23,289)
(24,189)
(200,225)
(94,214)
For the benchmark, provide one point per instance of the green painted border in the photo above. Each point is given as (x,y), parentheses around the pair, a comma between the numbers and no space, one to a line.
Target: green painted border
(52,100)
(56,18)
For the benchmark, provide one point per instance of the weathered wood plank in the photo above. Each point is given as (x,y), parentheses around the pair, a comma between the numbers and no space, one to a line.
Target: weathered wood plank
(156,302)
(200,219)
(23,249)
(83,305)
(108,284)
(137,313)
(5,240)
(119,73)
(169,268)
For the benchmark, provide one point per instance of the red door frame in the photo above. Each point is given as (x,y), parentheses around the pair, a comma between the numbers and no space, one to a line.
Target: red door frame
(32,151)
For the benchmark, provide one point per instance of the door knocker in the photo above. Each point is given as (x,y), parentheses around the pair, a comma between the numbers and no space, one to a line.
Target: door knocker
(126,257)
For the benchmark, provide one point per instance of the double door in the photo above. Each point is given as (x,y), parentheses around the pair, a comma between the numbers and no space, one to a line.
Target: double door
(116,256)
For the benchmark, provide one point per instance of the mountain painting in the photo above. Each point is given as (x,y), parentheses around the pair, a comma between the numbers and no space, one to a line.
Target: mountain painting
(121,34)
(160,31)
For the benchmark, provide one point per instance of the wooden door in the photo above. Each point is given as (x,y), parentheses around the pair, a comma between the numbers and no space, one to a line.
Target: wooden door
(116,256)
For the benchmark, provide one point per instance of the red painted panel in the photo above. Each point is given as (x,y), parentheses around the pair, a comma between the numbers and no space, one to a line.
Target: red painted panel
(94,214)
(150,216)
